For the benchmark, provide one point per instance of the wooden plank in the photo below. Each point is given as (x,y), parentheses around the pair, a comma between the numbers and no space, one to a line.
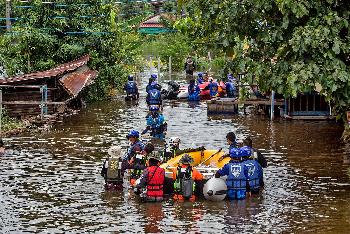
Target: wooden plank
(312,117)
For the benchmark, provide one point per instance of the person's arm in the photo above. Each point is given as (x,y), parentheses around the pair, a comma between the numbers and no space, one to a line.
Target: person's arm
(221,172)
(223,157)
(143,179)
(197,175)
(104,169)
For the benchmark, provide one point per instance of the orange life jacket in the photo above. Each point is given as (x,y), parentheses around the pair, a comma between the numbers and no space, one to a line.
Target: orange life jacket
(155,181)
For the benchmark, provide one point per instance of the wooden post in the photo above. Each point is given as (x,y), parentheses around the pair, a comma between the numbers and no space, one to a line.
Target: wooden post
(8,15)
(158,69)
(150,64)
(170,68)
(272,112)
(348,116)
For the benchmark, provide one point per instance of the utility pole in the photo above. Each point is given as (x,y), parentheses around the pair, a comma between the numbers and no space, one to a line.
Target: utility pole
(8,15)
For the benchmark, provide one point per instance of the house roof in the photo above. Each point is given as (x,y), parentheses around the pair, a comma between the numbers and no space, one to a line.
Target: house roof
(70,66)
(152,22)
(76,81)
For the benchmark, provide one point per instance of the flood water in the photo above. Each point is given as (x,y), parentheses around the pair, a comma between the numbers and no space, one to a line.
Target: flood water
(51,183)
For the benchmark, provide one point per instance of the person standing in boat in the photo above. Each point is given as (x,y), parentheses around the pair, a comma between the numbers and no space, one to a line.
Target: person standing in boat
(156,123)
(237,176)
(193,91)
(132,92)
(185,179)
(152,180)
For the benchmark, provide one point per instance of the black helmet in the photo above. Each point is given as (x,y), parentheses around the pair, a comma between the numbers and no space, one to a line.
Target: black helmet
(186,159)
(130,77)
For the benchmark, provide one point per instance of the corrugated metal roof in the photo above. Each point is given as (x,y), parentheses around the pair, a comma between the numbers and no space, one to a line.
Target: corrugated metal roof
(70,66)
(76,81)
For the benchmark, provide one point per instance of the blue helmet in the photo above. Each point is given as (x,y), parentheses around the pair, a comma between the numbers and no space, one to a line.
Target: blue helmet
(133,133)
(234,153)
(130,77)
(230,77)
(154,108)
(154,76)
(245,151)
(200,74)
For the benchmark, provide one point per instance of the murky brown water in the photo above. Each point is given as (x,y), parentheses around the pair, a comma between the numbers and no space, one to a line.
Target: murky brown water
(52,182)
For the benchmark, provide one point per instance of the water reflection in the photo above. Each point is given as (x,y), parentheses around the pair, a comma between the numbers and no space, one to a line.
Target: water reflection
(51,181)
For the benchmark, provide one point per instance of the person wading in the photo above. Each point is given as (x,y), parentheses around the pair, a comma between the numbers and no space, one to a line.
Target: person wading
(185,179)
(152,180)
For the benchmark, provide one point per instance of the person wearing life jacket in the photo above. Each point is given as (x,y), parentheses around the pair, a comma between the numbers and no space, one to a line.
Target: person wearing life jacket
(230,86)
(189,67)
(213,88)
(156,123)
(112,169)
(131,89)
(135,147)
(200,79)
(185,178)
(237,176)
(255,171)
(174,147)
(231,141)
(154,95)
(152,83)
(255,154)
(193,91)
(152,179)
(138,162)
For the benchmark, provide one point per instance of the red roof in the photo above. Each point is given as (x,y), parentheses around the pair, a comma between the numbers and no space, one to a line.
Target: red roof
(70,66)
(143,25)
(152,22)
(76,81)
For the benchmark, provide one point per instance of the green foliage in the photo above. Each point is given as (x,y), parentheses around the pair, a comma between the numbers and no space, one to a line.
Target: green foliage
(175,45)
(287,45)
(8,123)
(49,35)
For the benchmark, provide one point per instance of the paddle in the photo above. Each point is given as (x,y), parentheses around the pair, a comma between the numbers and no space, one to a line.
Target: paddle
(210,157)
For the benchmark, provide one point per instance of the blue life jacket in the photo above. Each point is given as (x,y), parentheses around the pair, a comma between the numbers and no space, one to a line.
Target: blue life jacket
(237,176)
(200,80)
(156,124)
(254,173)
(154,97)
(230,89)
(193,92)
(213,89)
(233,145)
(131,151)
(131,88)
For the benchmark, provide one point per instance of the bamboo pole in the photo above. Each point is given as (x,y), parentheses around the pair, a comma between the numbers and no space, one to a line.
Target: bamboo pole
(8,15)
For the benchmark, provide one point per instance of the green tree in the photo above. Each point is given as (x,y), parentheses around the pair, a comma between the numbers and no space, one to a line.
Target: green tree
(288,46)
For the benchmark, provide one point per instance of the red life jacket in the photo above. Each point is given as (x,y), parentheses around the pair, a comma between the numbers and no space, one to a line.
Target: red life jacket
(155,181)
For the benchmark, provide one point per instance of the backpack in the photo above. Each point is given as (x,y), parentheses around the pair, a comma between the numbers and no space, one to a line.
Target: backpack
(114,169)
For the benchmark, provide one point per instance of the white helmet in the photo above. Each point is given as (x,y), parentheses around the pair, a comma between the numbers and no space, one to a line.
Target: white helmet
(174,140)
(115,151)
